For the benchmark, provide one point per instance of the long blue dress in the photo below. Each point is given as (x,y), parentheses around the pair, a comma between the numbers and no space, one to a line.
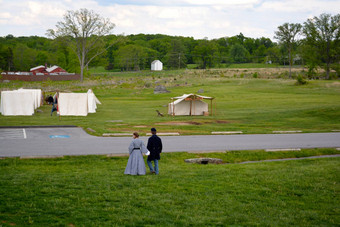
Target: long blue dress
(136,164)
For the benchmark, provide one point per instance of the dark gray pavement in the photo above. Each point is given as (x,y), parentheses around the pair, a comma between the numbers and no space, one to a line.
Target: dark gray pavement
(75,141)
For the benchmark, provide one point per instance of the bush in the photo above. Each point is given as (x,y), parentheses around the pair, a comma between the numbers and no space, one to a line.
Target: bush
(255,75)
(300,80)
(147,85)
(284,75)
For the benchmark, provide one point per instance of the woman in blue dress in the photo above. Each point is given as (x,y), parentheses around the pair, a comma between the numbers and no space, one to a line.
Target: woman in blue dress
(136,164)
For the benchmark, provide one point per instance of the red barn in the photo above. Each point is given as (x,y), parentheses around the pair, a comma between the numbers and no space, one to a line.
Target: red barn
(56,69)
(47,71)
(38,69)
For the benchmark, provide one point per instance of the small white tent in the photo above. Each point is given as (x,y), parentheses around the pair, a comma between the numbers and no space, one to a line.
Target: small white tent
(189,104)
(77,104)
(72,104)
(156,65)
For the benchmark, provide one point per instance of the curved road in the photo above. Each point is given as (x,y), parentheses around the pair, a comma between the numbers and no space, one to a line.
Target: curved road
(23,142)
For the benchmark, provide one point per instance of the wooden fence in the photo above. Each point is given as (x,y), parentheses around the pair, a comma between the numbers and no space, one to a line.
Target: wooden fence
(6,76)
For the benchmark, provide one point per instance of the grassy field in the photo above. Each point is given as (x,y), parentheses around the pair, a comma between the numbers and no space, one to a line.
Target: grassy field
(93,191)
(249,100)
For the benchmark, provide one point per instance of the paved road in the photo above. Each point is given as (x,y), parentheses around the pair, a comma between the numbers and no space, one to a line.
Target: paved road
(74,141)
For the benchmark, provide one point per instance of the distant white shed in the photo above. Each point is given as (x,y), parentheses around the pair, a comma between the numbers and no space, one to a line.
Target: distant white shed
(156,65)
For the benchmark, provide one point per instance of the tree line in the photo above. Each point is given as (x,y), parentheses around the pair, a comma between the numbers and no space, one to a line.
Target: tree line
(136,52)
(316,43)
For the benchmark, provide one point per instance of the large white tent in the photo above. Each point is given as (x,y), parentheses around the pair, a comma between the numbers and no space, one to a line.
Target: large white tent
(189,104)
(20,102)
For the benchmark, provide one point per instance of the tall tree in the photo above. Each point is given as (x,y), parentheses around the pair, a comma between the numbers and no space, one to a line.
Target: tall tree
(9,58)
(204,53)
(131,57)
(238,53)
(41,58)
(84,30)
(176,57)
(286,35)
(323,35)
(23,58)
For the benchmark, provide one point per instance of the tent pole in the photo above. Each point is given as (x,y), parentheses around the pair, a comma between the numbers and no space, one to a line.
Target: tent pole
(58,110)
(190,108)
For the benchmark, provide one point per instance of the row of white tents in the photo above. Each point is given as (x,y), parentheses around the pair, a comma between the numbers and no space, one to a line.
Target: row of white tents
(23,102)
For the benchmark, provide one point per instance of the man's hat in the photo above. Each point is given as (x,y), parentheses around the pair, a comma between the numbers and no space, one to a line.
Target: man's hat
(153,130)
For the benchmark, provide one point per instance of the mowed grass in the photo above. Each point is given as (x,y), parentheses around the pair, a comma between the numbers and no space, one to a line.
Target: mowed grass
(93,191)
(242,103)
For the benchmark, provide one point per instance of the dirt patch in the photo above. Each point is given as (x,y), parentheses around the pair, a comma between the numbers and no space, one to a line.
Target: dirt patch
(179,123)
(334,84)
(204,160)
(222,122)
(193,122)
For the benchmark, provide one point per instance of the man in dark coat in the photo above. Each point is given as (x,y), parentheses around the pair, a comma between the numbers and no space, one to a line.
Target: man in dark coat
(155,148)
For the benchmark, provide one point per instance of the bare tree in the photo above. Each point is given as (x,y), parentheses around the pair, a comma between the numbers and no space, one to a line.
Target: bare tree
(84,31)
(286,34)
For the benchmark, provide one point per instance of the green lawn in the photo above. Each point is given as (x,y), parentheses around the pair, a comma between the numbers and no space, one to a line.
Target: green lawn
(93,191)
(242,103)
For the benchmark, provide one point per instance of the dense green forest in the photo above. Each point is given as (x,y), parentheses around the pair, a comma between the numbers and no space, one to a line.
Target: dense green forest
(136,52)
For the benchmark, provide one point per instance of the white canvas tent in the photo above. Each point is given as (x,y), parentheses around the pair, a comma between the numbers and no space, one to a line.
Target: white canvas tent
(37,95)
(156,65)
(92,101)
(20,102)
(77,104)
(189,104)
(72,104)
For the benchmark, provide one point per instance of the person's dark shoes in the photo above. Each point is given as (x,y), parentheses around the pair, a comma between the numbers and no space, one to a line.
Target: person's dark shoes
(152,172)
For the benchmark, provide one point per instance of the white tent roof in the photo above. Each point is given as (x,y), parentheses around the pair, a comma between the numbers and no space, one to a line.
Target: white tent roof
(180,98)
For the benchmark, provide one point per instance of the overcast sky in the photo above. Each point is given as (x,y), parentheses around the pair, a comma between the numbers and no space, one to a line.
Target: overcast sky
(193,18)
